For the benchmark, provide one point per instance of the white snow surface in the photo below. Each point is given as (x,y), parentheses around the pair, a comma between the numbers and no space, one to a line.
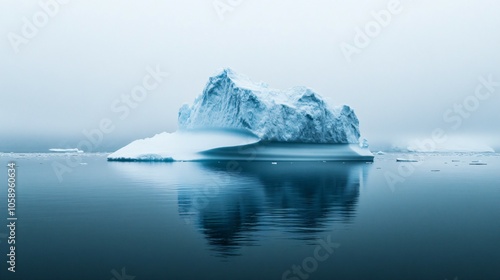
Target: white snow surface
(231,100)
(182,145)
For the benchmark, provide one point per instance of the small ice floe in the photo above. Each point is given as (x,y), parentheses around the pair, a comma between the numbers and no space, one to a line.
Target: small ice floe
(406,160)
(380,153)
(364,144)
(455,160)
(274,162)
(435,170)
(83,163)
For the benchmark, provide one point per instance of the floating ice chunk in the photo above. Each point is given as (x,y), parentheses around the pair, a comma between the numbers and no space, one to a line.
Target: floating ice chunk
(406,160)
(364,144)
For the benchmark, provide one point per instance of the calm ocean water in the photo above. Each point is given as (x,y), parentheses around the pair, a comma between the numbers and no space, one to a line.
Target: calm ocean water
(438,219)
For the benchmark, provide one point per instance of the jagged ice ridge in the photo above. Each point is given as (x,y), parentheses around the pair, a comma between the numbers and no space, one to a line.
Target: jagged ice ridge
(231,100)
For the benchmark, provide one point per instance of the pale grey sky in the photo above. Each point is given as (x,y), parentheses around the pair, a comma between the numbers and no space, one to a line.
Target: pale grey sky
(71,71)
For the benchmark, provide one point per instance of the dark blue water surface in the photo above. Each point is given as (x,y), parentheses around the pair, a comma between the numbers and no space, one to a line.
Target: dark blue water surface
(435,219)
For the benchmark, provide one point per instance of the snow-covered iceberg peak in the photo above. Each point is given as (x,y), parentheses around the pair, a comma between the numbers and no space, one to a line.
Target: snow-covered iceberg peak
(231,100)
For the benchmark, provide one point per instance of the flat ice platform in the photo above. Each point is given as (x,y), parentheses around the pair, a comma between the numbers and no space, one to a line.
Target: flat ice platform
(273,151)
(206,145)
(269,151)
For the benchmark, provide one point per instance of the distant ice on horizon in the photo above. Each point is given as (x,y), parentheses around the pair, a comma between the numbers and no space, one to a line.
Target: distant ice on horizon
(460,145)
(73,150)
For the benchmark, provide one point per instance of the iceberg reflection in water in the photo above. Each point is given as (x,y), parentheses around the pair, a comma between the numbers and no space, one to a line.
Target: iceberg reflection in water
(237,203)
(245,201)
(255,220)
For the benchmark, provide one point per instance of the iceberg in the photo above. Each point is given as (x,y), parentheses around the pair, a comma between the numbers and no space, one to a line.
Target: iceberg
(231,100)
(237,119)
